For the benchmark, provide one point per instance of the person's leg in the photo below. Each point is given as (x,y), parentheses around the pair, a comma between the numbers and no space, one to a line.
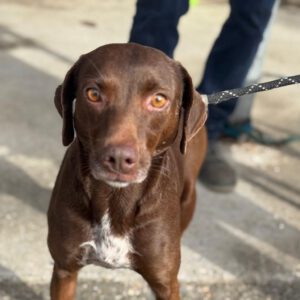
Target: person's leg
(232,55)
(241,113)
(155,23)
(227,67)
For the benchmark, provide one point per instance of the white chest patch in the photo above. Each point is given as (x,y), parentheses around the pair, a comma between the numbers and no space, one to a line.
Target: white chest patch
(106,249)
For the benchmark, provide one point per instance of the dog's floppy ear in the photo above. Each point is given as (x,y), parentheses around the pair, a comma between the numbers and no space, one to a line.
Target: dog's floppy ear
(194,109)
(63,99)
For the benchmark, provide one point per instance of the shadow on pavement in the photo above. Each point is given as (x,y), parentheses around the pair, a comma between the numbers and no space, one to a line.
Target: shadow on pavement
(287,149)
(28,115)
(15,182)
(15,288)
(271,185)
(11,40)
(243,239)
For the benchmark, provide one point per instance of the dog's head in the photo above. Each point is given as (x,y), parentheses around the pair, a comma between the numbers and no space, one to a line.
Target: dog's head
(131,104)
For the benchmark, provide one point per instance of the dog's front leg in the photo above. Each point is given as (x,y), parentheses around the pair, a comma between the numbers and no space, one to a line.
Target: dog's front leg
(63,284)
(166,291)
(161,272)
(164,288)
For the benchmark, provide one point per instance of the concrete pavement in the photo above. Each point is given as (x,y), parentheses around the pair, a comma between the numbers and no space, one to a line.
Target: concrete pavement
(244,245)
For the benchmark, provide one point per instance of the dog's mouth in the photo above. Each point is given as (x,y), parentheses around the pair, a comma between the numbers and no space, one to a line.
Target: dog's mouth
(117,184)
(118,180)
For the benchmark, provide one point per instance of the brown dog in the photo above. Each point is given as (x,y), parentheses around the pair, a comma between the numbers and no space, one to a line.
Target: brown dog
(126,187)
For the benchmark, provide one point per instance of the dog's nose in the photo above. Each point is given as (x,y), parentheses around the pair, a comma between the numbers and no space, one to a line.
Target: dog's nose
(121,159)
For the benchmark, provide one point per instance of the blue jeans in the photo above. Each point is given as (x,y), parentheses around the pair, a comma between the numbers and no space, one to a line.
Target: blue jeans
(155,25)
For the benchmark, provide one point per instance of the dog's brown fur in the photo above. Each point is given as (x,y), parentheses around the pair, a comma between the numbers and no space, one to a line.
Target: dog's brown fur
(166,146)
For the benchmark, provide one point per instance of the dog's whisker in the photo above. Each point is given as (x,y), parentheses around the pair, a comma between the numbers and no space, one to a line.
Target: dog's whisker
(93,64)
(161,171)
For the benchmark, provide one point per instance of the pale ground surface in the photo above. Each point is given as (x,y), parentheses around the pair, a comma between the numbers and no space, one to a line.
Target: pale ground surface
(244,245)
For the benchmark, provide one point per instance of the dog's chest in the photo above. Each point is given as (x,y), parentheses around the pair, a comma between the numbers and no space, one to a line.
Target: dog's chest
(107,249)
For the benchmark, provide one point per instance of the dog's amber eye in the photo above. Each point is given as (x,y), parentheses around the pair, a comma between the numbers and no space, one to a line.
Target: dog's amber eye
(158,101)
(93,94)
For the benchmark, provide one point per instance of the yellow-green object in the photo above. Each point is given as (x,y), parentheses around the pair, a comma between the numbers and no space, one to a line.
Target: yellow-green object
(194,2)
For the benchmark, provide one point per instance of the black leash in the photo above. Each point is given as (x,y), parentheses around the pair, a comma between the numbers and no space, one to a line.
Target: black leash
(254,133)
(251,89)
